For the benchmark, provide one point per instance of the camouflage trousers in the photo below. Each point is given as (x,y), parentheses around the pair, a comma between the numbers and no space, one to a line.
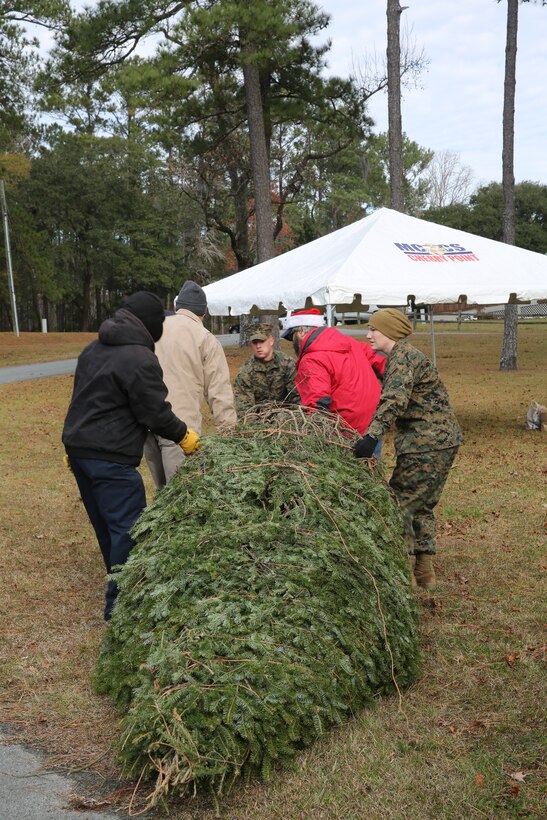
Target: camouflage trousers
(417,481)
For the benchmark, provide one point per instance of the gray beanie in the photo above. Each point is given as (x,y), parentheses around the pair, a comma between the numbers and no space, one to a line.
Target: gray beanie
(192,297)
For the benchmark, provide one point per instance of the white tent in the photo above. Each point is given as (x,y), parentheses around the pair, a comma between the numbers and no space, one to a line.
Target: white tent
(385,258)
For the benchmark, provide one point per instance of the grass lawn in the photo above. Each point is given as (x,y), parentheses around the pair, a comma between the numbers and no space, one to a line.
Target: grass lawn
(466,740)
(34,348)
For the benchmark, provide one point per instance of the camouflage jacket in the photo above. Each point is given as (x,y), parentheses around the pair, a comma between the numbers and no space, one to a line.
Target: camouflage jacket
(415,400)
(258,382)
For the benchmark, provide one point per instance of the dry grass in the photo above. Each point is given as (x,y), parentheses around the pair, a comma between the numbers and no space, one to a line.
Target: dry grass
(468,740)
(33,348)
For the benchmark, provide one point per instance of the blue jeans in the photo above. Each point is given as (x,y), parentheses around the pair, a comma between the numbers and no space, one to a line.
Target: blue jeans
(114,497)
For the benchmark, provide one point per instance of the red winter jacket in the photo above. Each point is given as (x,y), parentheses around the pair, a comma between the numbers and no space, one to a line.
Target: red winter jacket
(337,367)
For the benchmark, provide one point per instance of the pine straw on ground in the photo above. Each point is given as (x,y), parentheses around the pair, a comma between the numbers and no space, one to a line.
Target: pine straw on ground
(468,737)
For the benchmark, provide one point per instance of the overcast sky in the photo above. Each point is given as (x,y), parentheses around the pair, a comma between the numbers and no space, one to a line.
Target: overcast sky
(460,104)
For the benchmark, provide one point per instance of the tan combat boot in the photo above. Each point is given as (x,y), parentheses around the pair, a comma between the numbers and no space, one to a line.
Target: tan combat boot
(411,564)
(423,571)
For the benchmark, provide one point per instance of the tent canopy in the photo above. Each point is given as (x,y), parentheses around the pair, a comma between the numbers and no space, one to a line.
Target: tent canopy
(385,259)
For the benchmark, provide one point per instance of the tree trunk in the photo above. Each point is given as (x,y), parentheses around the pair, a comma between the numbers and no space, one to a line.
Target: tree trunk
(508,172)
(98,306)
(508,357)
(86,299)
(246,322)
(260,163)
(36,303)
(240,240)
(395,128)
(260,167)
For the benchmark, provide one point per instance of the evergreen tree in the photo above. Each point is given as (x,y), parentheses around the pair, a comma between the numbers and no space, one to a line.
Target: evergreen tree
(262,47)
(483,214)
(18,63)
(113,225)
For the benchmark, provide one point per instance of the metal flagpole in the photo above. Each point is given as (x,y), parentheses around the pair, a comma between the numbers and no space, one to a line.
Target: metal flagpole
(11,286)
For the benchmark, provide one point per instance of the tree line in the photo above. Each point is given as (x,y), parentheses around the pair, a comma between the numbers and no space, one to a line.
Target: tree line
(163,140)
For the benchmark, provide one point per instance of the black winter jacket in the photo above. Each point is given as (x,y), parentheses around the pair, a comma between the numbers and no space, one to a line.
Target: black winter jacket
(119,395)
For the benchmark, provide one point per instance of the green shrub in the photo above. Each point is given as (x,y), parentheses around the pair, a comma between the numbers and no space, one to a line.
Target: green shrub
(267,598)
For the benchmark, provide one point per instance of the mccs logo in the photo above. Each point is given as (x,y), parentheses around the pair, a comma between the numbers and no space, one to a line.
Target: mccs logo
(437,253)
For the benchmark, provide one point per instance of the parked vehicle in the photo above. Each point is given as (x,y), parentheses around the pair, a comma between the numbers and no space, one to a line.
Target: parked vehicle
(356,317)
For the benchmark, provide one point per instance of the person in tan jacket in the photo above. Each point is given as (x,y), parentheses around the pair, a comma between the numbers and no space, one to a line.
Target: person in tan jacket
(194,370)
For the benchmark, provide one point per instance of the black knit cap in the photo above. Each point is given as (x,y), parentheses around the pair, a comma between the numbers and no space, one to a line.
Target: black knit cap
(148,308)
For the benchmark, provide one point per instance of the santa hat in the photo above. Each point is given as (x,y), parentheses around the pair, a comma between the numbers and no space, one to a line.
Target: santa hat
(303,318)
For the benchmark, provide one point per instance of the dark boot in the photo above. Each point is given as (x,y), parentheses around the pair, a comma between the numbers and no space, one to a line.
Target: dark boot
(110,599)
(423,571)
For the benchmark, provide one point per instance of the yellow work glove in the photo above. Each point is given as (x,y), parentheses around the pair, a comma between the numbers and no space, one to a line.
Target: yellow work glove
(191,442)
(66,462)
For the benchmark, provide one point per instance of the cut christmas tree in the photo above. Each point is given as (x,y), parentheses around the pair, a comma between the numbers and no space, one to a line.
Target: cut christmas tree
(267,598)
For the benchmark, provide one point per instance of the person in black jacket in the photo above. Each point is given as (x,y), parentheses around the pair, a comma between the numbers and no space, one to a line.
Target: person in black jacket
(119,395)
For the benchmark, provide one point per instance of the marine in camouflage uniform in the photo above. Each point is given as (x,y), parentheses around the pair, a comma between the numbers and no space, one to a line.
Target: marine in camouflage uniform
(427,433)
(267,376)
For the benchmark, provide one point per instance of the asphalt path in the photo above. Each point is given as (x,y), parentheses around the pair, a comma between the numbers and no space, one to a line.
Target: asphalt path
(29,791)
(26,372)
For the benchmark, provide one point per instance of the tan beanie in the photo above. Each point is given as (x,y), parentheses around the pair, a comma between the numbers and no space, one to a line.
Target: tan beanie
(391,322)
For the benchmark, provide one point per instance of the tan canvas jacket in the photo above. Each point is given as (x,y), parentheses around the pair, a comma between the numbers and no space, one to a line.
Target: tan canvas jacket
(195,370)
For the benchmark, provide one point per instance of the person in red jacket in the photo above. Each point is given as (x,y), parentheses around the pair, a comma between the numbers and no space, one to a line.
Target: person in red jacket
(335,372)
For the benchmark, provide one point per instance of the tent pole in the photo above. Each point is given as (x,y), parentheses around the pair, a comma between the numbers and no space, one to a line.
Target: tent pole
(329,315)
(433,353)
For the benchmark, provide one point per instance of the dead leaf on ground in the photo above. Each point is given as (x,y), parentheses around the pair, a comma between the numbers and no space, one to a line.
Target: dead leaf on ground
(539,651)
(511,659)
(454,731)
(520,777)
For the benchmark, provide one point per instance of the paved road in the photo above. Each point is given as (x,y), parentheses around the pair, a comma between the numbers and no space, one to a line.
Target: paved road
(26,372)
(30,792)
